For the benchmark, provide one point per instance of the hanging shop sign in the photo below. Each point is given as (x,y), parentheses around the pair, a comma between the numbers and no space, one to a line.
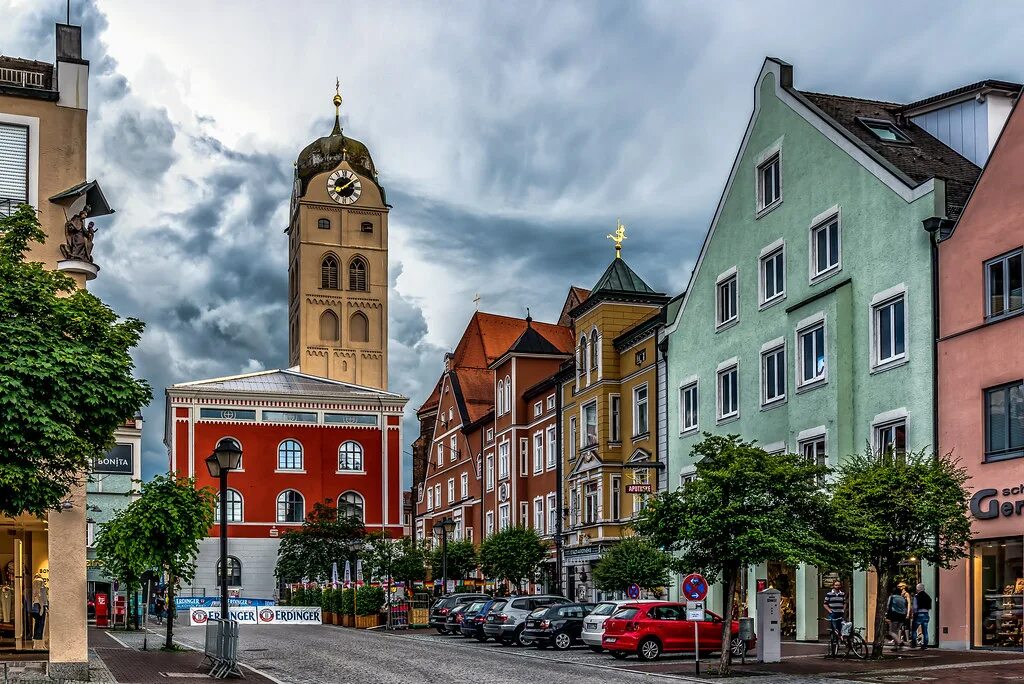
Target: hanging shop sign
(638,489)
(985,505)
(118,461)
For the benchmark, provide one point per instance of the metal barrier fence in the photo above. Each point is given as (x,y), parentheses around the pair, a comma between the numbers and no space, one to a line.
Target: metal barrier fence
(221,647)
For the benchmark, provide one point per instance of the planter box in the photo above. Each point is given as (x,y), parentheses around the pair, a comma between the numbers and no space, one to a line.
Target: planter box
(367,621)
(347,620)
(328,617)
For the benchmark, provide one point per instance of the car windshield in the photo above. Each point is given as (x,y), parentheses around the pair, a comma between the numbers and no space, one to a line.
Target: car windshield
(444,603)
(604,609)
(475,606)
(538,612)
(498,605)
(626,614)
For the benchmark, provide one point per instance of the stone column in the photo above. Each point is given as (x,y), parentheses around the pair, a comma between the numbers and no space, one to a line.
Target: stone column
(807,606)
(66,620)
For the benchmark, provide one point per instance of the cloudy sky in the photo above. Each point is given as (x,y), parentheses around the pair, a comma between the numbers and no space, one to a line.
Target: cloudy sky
(509,136)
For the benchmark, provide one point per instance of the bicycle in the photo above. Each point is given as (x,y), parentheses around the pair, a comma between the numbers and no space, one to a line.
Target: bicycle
(850,637)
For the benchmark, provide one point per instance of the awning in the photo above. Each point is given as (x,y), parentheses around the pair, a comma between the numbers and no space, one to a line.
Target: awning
(76,197)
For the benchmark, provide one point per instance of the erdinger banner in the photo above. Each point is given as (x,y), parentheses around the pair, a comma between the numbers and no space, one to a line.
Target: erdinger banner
(256,615)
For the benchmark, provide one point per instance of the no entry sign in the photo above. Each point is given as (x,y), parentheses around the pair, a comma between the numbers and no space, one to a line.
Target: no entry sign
(633,591)
(695,587)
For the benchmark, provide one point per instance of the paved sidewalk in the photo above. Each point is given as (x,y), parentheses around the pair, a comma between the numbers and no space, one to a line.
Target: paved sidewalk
(128,664)
(34,671)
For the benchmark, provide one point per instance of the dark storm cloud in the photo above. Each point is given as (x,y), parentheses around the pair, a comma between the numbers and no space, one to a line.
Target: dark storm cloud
(141,144)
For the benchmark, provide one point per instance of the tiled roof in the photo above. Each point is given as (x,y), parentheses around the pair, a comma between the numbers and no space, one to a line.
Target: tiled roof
(488,336)
(988,84)
(922,158)
(532,342)
(280,382)
(476,386)
(619,277)
(432,401)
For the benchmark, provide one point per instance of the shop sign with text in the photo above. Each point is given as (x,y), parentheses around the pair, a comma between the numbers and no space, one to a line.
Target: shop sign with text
(986,504)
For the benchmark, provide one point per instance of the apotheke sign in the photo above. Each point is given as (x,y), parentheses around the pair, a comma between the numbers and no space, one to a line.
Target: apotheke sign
(985,505)
(117,461)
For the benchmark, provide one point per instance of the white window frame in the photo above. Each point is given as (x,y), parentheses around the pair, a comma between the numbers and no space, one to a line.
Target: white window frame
(775,250)
(1002,259)
(490,435)
(464,485)
(538,515)
(552,513)
(616,497)
(727,279)
(438,503)
(773,155)
(499,398)
(692,385)
(552,448)
(597,425)
(879,303)
(773,349)
(538,408)
(573,437)
(551,402)
(725,368)
(430,498)
(504,516)
(806,327)
(812,436)
(451,490)
(524,456)
(524,513)
(504,456)
(489,523)
(538,452)
(823,220)
(636,410)
(886,421)
(453,448)
(587,500)
(32,123)
(489,472)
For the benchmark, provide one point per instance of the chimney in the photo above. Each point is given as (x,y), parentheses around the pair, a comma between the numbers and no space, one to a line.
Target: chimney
(72,70)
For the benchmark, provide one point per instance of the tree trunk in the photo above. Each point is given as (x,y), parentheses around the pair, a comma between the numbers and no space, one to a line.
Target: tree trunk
(729,576)
(171,612)
(881,599)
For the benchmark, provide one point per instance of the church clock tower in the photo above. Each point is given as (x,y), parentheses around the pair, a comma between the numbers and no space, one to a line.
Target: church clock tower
(338,263)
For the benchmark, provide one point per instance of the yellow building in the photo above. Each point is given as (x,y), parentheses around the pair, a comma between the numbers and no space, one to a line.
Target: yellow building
(609,417)
(338,263)
(43,118)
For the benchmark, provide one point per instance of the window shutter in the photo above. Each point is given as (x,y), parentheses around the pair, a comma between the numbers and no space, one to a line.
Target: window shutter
(13,166)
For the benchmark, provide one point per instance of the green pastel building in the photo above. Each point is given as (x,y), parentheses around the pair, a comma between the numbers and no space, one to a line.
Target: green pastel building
(807,324)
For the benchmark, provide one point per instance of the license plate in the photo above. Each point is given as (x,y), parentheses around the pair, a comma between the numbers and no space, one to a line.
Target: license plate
(531,623)
(591,625)
(490,618)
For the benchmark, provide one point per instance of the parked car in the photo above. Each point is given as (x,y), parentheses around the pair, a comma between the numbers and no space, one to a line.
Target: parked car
(476,614)
(650,629)
(439,611)
(453,621)
(506,626)
(559,626)
(593,625)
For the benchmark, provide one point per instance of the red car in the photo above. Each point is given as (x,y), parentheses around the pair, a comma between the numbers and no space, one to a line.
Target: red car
(650,629)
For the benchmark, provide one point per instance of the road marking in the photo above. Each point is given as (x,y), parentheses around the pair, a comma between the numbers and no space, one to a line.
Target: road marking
(123,645)
(245,665)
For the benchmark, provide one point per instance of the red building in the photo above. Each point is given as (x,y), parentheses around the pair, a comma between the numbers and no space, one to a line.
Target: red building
(305,440)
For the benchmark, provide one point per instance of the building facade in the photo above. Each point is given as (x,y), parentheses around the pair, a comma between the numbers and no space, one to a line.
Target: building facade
(981,397)
(43,134)
(797,329)
(305,440)
(338,263)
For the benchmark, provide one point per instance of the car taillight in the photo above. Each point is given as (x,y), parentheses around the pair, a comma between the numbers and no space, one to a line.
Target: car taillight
(444,611)
(503,618)
(544,624)
(478,619)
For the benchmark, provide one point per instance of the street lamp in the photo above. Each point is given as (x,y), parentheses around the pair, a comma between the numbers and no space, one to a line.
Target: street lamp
(226,456)
(447,525)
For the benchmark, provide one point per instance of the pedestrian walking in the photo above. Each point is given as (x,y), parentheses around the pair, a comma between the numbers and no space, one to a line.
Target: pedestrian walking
(922,613)
(158,604)
(897,609)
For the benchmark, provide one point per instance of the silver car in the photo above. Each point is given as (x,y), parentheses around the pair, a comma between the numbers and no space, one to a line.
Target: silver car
(506,626)
(593,623)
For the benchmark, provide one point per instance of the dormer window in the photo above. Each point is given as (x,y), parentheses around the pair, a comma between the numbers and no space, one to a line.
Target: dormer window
(885,130)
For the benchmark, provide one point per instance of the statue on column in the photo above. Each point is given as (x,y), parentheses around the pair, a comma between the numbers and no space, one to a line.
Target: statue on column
(78,236)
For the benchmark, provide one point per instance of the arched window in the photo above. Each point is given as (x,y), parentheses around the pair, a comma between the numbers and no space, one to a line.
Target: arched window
(350,505)
(508,394)
(357,274)
(234,572)
(289,455)
(594,349)
(324,224)
(583,355)
(350,456)
(234,507)
(330,326)
(291,507)
(500,398)
(329,272)
(359,327)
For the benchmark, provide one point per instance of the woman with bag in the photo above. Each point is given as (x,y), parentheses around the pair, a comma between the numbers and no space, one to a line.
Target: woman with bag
(897,608)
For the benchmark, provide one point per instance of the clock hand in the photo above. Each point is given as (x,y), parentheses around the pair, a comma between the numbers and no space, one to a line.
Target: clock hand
(346,185)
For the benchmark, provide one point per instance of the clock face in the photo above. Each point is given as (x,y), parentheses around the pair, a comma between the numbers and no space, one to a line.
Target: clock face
(344,187)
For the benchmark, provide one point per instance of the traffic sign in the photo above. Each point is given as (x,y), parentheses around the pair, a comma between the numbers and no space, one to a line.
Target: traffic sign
(633,591)
(695,587)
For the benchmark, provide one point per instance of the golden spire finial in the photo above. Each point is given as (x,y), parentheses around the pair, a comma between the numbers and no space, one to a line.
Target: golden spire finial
(337,107)
(617,237)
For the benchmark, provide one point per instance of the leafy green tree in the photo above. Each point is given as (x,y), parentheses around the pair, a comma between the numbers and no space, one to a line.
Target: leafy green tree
(325,538)
(890,507)
(399,559)
(167,520)
(512,555)
(65,375)
(633,560)
(462,560)
(745,507)
(117,552)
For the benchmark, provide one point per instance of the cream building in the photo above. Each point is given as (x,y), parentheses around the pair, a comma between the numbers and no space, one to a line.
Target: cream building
(43,117)
(338,263)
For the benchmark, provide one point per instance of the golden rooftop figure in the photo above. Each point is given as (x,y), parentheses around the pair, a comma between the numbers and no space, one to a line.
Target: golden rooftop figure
(617,237)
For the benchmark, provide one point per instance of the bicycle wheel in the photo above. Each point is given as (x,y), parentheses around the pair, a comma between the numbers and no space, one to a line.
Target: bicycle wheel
(857,646)
(833,645)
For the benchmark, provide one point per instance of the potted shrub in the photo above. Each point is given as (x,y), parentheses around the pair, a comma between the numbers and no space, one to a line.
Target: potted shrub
(327,607)
(347,607)
(369,601)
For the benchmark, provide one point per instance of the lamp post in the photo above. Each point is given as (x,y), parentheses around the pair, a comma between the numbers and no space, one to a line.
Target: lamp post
(447,525)
(226,456)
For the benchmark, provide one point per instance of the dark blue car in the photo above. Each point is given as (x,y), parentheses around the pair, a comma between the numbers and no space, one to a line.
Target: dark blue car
(475,615)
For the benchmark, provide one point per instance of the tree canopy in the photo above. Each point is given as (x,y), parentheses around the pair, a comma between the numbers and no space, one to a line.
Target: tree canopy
(632,560)
(745,507)
(512,554)
(462,559)
(117,552)
(890,507)
(400,558)
(325,538)
(65,375)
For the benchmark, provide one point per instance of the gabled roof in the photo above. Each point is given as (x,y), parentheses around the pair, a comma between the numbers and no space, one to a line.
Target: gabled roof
(488,336)
(575,297)
(277,382)
(532,342)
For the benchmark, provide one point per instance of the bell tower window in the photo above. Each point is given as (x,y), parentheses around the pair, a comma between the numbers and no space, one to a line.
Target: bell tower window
(329,273)
(357,275)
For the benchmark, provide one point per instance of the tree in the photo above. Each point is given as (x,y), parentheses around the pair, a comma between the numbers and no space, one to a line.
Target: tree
(632,560)
(399,559)
(65,375)
(462,560)
(167,521)
(890,507)
(512,555)
(116,551)
(745,507)
(325,538)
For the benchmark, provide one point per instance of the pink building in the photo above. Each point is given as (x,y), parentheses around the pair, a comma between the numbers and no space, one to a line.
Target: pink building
(981,398)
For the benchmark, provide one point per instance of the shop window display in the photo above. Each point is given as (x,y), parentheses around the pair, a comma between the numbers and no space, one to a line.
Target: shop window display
(783,577)
(999,592)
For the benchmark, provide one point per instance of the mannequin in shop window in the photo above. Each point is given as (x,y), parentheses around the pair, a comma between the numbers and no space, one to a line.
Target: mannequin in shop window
(6,603)
(39,606)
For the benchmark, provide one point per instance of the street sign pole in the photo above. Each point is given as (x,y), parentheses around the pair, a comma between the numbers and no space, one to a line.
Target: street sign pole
(696,651)
(695,589)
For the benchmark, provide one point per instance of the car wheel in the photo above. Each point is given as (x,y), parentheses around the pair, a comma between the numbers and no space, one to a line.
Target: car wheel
(596,649)
(619,655)
(562,641)
(738,647)
(649,649)
(521,640)
(441,630)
